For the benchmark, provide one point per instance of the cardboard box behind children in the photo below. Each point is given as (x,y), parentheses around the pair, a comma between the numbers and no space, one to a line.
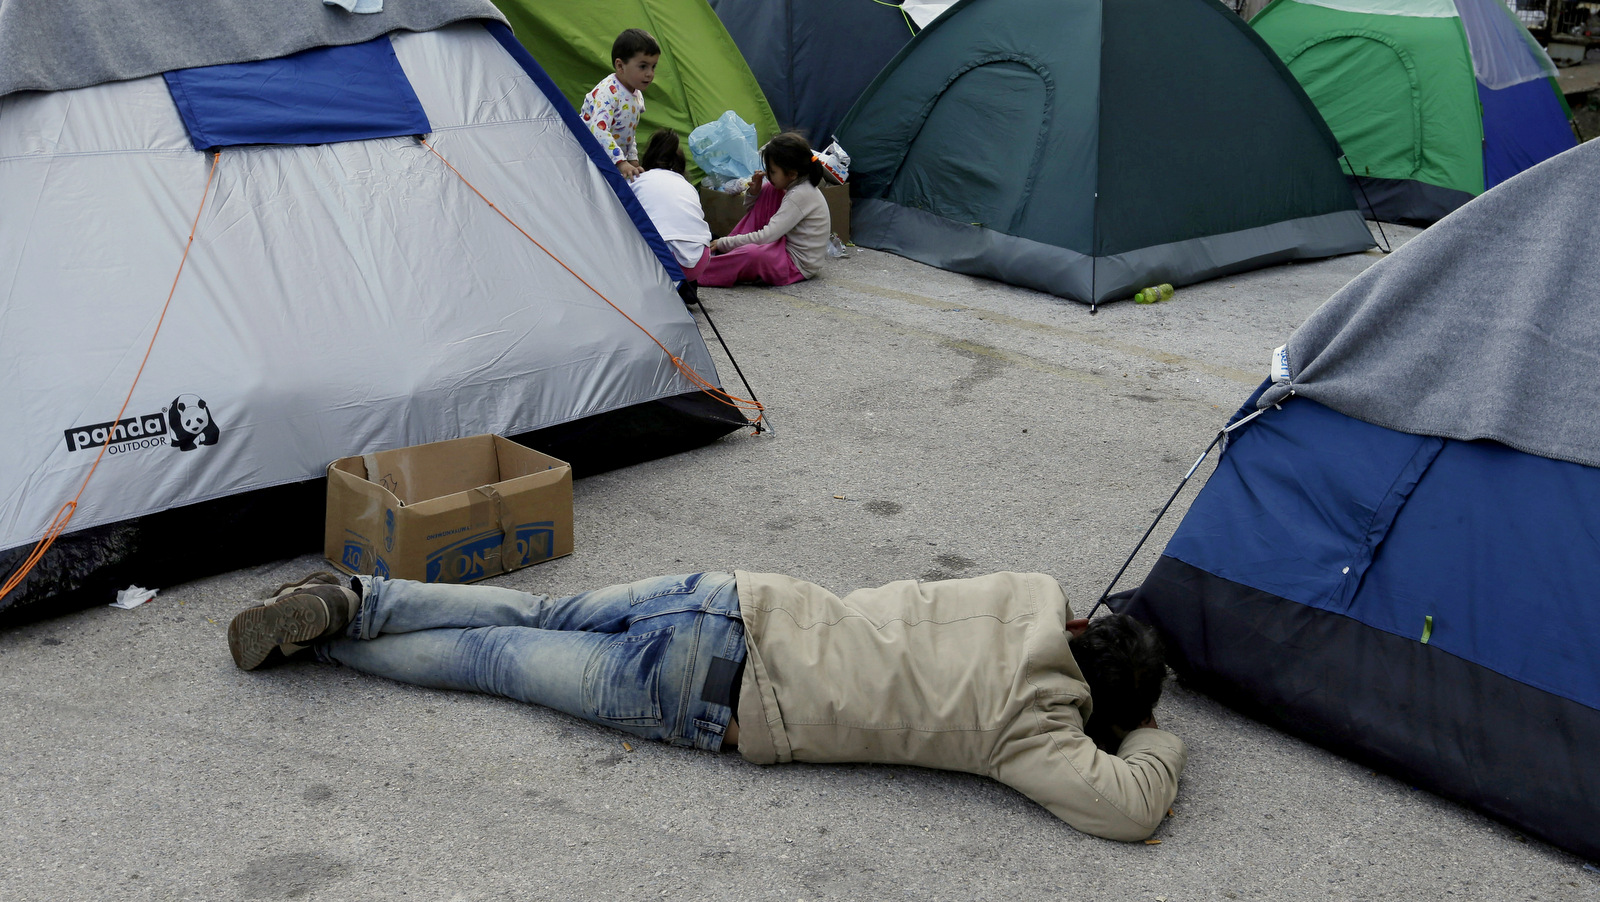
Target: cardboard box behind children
(455,511)
(723,211)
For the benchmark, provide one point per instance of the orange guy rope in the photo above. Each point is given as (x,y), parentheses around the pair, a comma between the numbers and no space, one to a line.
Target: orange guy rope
(64,515)
(688,372)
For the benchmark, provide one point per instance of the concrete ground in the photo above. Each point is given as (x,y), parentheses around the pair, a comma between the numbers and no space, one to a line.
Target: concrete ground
(928,425)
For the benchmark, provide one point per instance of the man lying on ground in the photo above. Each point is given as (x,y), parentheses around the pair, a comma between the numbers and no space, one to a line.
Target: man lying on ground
(990,676)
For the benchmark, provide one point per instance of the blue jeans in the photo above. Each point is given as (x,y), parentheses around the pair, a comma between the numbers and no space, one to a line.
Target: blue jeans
(633,657)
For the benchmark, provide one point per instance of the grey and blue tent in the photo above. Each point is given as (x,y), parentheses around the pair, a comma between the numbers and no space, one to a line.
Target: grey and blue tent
(813,58)
(1397,557)
(289,206)
(1090,148)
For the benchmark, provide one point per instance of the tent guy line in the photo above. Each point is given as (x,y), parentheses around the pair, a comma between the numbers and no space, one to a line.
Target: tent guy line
(695,379)
(1222,437)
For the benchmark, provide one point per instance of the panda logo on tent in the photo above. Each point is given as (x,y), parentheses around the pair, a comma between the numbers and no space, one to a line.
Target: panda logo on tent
(191,422)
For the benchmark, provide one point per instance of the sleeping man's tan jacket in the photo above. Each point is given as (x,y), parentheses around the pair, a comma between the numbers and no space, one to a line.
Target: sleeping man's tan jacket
(971,675)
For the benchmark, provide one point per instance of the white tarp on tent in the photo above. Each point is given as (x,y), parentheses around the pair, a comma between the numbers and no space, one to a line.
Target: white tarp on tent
(924,11)
(338,299)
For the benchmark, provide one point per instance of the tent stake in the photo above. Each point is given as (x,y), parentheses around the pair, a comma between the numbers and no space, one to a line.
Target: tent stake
(760,426)
(1386,247)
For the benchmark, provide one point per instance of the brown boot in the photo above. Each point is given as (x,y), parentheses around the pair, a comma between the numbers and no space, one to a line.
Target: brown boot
(309,613)
(319,578)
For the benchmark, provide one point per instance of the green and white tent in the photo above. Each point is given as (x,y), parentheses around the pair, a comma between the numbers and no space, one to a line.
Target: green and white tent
(1433,101)
(1090,148)
(701,74)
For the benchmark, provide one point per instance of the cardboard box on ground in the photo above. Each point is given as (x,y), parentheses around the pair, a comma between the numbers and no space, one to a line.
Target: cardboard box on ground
(455,511)
(723,211)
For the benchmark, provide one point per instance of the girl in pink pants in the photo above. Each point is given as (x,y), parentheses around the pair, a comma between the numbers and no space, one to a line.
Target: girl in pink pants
(783,238)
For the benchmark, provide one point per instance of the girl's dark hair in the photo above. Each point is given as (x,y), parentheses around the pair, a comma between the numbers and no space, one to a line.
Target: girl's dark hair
(663,152)
(633,42)
(791,151)
(1124,664)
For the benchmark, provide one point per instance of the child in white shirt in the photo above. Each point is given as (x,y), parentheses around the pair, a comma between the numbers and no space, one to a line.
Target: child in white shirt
(613,108)
(673,204)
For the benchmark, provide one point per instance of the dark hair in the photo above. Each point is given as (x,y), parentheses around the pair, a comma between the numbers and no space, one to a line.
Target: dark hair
(663,152)
(792,152)
(633,42)
(1124,664)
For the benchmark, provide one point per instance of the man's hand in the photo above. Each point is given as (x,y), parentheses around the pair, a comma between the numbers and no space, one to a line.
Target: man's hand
(628,168)
(1148,724)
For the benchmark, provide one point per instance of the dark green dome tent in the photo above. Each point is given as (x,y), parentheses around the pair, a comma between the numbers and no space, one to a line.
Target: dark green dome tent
(1090,148)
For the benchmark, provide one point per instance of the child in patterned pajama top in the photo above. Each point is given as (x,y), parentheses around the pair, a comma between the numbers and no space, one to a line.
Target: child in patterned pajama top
(612,109)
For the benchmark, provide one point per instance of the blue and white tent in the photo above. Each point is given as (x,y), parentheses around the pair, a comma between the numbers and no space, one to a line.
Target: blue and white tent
(1397,558)
(346,290)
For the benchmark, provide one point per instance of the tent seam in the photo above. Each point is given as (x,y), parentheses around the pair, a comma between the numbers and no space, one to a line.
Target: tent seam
(1411,77)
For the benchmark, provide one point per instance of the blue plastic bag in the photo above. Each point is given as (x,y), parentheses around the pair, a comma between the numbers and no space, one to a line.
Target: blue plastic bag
(726,148)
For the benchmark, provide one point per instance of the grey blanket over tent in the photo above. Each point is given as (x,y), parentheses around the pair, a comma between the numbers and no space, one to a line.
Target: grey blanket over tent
(56,45)
(1486,326)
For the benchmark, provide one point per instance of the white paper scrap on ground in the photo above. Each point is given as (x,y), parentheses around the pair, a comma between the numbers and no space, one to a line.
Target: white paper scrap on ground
(132,597)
